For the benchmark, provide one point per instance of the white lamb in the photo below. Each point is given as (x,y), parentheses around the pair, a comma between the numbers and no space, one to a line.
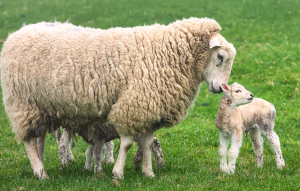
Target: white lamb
(256,117)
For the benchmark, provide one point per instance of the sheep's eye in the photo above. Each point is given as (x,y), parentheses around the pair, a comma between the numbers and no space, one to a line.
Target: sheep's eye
(238,91)
(220,57)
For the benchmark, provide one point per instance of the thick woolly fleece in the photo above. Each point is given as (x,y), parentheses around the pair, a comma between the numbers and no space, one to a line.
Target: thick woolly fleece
(57,74)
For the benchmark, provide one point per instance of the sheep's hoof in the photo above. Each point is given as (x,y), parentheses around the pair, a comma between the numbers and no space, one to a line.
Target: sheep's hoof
(42,176)
(117,175)
(149,174)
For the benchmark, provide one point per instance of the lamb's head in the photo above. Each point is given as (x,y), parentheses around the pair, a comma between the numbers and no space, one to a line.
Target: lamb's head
(236,95)
(219,63)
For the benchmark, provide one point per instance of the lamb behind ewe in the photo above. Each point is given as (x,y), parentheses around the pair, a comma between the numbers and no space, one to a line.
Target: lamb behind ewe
(137,79)
(234,118)
(103,134)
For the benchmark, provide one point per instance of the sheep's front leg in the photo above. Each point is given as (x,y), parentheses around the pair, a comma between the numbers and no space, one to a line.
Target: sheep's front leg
(274,142)
(36,163)
(98,155)
(125,144)
(41,144)
(109,147)
(236,143)
(224,141)
(89,158)
(147,141)
(257,143)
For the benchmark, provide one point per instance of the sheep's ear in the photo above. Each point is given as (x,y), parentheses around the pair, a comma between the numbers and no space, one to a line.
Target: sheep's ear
(214,42)
(234,83)
(225,88)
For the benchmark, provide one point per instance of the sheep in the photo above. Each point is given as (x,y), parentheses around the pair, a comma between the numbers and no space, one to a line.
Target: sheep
(138,79)
(104,132)
(233,118)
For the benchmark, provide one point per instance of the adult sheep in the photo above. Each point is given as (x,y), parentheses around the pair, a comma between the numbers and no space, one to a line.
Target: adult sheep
(138,79)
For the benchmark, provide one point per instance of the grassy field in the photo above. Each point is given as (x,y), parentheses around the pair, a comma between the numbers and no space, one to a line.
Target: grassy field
(266,37)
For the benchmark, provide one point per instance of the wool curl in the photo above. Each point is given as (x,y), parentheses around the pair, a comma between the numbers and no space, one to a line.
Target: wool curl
(57,74)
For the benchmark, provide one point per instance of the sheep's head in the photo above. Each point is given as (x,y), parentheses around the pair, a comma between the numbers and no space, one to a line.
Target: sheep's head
(236,94)
(220,59)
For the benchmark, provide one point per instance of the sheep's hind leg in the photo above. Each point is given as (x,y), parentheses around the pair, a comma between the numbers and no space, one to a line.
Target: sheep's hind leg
(147,141)
(125,144)
(41,144)
(98,155)
(236,143)
(89,158)
(36,163)
(274,142)
(257,143)
(224,141)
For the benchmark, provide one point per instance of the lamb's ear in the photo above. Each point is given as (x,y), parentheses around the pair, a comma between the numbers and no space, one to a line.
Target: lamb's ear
(214,42)
(225,88)
(234,83)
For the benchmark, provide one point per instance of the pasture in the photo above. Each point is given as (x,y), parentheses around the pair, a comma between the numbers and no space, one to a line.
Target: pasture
(266,37)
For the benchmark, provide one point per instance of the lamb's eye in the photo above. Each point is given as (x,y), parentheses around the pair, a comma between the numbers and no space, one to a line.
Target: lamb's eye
(238,91)
(220,57)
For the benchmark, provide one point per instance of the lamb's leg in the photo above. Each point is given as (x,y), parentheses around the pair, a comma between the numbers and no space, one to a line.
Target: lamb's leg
(236,143)
(125,144)
(109,147)
(138,158)
(224,141)
(89,158)
(157,152)
(274,142)
(36,163)
(156,149)
(257,143)
(147,141)
(64,149)
(41,144)
(98,155)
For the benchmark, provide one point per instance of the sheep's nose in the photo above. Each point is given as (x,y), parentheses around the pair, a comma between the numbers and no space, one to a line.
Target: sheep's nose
(251,95)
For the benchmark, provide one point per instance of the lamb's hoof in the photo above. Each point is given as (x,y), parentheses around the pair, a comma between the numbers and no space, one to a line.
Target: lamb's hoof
(87,168)
(117,175)
(98,171)
(160,163)
(110,162)
(280,166)
(149,174)
(231,170)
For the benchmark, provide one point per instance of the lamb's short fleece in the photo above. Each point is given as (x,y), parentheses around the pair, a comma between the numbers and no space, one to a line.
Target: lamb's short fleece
(234,118)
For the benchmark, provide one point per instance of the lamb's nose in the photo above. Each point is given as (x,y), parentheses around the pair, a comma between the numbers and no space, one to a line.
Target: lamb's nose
(251,95)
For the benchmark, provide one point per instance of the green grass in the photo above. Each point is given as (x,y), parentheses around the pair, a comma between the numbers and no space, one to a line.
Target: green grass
(266,36)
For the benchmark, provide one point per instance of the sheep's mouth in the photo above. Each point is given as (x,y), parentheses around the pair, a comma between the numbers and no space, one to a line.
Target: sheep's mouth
(215,91)
(250,99)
